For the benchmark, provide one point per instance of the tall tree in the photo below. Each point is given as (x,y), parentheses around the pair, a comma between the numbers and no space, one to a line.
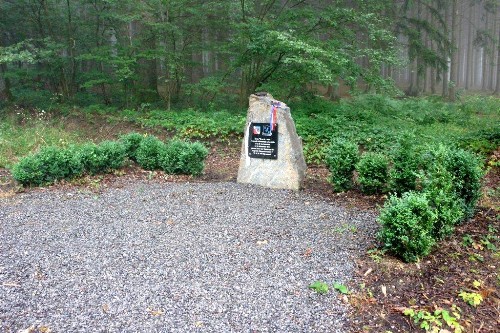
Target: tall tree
(454,54)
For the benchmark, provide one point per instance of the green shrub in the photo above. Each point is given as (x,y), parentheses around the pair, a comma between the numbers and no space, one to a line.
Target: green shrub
(28,171)
(100,158)
(113,153)
(467,172)
(449,209)
(341,158)
(404,173)
(90,158)
(372,172)
(46,166)
(149,151)
(181,157)
(131,141)
(407,224)
(465,169)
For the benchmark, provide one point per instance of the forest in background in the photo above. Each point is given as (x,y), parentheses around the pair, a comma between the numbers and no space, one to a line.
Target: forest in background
(203,53)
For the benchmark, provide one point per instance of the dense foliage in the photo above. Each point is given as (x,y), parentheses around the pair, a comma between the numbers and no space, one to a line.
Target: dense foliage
(189,52)
(51,164)
(442,176)
(373,171)
(180,157)
(108,155)
(149,151)
(131,142)
(407,225)
(341,159)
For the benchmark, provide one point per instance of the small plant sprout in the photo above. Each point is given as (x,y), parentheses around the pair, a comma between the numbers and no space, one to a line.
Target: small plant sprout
(467,240)
(320,287)
(473,299)
(434,321)
(376,254)
(341,288)
(486,241)
(476,284)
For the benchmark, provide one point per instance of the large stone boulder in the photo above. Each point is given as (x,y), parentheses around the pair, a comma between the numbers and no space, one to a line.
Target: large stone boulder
(282,167)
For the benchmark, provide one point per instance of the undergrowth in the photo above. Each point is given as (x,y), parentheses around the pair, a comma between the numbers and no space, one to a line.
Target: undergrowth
(375,122)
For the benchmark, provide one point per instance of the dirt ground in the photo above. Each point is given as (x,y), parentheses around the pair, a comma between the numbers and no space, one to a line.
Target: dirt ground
(468,261)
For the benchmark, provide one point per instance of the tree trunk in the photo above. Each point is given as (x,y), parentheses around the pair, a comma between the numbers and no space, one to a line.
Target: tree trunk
(454,56)
(484,76)
(470,50)
(462,51)
(493,64)
(497,90)
(5,92)
(445,72)
(6,84)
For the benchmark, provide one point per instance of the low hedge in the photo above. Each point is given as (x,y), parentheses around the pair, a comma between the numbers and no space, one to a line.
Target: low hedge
(341,158)
(407,225)
(373,173)
(449,185)
(51,164)
(180,157)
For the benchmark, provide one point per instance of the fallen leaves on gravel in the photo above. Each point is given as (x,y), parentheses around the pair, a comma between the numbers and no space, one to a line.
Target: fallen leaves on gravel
(30,329)
(155,313)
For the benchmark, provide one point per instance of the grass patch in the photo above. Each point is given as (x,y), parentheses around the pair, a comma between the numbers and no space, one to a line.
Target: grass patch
(19,138)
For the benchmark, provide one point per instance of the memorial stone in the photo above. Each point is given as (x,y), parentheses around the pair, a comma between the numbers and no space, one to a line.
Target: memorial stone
(271,153)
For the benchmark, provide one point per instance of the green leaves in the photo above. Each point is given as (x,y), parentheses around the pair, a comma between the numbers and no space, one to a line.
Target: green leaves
(433,321)
(341,288)
(323,288)
(319,287)
(473,299)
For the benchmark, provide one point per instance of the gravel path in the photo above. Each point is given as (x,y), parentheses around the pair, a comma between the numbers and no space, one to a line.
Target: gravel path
(149,257)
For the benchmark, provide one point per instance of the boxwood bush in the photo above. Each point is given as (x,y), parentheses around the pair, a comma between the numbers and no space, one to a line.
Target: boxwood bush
(149,151)
(449,208)
(114,154)
(405,170)
(341,158)
(467,170)
(46,166)
(372,171)
(108,155)
(407,225)
(132,141)
(450,183)
(180,157)
(51,163)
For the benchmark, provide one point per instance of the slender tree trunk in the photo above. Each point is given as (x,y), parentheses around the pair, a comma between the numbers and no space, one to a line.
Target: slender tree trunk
(433,70)
(454,56)
(470,50)
(497,90)
(420,70)
(461,47)
(447,19)
(7,86)
(6,82)
(493,63)
(484,70)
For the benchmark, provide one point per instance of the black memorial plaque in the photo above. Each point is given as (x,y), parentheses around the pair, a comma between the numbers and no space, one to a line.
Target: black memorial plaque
(262,141)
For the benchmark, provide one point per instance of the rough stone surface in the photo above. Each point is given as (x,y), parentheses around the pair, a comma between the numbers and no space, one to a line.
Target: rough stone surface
(288,171)
(174,257)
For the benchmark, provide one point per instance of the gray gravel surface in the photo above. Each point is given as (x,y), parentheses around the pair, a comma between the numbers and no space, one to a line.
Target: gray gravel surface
(173,257)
